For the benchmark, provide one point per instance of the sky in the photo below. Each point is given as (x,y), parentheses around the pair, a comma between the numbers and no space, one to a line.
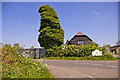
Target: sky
(60,0)
(0,22)
(98,20)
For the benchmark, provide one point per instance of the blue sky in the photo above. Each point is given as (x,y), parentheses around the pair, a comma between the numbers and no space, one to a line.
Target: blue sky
(0,22)
(98,20)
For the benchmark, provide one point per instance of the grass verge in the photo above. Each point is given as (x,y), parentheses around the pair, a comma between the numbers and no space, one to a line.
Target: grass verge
(83,58)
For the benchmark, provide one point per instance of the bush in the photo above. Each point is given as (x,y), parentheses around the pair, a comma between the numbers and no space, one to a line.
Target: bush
(54,51)
(15,66)
(109,56)
(73,50)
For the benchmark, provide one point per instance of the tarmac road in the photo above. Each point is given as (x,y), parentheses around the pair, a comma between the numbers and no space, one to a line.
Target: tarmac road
(83,69)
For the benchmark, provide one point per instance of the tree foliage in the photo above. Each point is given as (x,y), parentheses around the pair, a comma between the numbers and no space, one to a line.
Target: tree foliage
(67,41)
(51,32)
(118,43)
(32,47)
(17,46)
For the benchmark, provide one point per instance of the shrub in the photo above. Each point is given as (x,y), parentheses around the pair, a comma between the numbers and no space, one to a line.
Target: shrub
(73,50)
(54,51)
(15,66)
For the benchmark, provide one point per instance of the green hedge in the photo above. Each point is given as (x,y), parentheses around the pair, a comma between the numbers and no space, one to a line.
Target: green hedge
(15,66)
(73,50)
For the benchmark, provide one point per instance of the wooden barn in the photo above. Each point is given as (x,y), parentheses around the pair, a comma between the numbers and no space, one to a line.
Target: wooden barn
(80,38)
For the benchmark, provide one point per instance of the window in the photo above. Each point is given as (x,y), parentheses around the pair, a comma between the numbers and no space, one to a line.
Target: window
(80,42)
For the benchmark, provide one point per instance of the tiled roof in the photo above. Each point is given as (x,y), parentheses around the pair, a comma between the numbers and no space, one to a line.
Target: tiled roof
(79,33)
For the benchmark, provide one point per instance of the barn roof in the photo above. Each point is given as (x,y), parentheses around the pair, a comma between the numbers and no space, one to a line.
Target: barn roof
(80,33)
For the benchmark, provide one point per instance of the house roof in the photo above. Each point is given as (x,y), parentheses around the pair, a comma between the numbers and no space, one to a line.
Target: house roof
(80,33)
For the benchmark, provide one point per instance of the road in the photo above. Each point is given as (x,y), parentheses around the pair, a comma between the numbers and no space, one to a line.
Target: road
(83,69)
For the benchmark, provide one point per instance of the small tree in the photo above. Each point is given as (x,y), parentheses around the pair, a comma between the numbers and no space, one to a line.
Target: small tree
(93,43)
(32,47)
(107,45)
(17,46)
(67,41)
(51,33)
(118,43)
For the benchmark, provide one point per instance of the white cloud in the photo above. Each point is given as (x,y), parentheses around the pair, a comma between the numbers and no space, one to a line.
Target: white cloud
(96,12)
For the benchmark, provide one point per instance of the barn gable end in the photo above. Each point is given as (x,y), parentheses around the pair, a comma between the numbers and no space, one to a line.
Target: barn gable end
(79,39)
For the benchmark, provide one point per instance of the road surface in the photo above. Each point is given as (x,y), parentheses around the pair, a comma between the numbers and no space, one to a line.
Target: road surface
(83,69)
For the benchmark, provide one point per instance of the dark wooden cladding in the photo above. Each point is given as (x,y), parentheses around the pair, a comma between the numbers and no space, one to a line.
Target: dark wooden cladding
(80,38)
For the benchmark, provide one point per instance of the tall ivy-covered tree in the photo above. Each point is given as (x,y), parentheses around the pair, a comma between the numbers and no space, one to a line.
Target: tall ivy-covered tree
(51,32)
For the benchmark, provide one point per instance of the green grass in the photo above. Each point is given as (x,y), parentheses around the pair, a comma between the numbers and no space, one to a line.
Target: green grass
(82,58)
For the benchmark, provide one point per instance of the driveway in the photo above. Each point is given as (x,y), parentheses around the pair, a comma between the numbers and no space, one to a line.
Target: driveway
(83,69)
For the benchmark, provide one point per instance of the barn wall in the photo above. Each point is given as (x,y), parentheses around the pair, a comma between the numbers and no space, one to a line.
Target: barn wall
(75,40)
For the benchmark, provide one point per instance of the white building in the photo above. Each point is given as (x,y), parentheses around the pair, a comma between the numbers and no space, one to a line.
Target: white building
(97,53)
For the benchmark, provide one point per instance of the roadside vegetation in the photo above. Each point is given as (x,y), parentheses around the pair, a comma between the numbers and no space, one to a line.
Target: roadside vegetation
(0,61)
(107,57)
(16,66)
(75,51)
(83,52)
